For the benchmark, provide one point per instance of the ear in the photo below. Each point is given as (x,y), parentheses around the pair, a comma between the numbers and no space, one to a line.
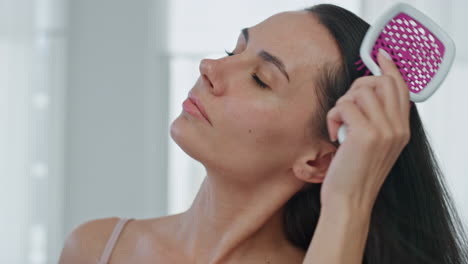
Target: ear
(312,168)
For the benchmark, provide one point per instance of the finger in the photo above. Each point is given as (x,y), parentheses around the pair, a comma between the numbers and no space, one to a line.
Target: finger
(389,68)
(392,104)
(387,94)
(373,107)
(344,113)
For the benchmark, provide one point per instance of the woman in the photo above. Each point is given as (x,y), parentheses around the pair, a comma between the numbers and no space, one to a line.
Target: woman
(279,188)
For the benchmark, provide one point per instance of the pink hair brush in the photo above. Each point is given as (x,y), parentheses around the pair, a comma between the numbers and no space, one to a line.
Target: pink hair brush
(422,51)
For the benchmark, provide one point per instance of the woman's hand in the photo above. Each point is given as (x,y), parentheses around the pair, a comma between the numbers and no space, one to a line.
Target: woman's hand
(376,112)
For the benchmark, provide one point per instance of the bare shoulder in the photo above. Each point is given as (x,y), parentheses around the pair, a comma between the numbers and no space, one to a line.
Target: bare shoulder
(141,241)
(86,242)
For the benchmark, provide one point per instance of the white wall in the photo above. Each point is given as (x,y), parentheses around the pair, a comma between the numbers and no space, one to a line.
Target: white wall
(116,111)
(32,41)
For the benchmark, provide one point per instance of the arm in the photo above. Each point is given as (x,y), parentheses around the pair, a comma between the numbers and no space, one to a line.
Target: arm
(340,236)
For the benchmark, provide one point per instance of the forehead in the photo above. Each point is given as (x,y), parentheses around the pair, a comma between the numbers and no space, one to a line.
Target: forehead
(297,38)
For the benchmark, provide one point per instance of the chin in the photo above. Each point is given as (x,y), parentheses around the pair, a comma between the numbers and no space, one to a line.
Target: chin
(186,139)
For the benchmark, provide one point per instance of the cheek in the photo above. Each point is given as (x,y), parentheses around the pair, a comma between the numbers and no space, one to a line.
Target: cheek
(259,124)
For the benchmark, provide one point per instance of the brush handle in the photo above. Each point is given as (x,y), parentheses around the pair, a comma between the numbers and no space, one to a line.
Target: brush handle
(342,133)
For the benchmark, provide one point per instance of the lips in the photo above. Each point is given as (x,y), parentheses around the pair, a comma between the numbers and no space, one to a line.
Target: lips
(199,105)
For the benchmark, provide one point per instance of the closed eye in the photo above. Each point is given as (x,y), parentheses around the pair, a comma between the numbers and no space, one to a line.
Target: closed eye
(258,81)
(255,77)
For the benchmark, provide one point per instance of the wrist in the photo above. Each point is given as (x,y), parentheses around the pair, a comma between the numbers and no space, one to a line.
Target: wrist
(341,234)
(347,209)
(349,202)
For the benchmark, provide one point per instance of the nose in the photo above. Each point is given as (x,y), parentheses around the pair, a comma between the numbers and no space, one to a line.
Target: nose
(208,72)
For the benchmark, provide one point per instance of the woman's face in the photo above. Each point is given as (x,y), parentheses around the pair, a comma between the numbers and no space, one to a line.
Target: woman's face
(257,131)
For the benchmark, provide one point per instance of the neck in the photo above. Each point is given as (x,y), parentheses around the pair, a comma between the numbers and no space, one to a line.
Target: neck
(228,222)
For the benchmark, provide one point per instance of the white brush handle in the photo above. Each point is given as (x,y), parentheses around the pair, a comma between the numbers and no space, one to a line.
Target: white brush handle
(342,133)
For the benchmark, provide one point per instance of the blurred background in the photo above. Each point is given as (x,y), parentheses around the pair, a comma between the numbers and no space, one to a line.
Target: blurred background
(88,89)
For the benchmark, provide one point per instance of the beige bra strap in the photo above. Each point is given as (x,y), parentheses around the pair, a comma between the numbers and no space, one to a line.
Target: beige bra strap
(113,240)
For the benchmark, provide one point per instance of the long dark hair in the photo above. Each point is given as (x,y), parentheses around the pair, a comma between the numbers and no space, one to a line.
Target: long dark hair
(414,219)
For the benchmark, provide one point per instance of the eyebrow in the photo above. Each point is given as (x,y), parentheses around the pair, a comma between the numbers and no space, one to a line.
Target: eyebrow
(266,56)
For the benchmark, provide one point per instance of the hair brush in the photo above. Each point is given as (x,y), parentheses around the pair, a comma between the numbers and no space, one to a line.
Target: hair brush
(421,50)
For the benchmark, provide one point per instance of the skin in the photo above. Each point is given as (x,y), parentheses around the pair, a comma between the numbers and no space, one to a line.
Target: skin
(259,151)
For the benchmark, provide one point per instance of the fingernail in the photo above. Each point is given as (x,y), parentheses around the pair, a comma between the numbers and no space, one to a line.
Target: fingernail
(386,55)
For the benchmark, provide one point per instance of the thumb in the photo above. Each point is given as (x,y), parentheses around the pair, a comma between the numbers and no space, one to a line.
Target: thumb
(386,63)
(389,68)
